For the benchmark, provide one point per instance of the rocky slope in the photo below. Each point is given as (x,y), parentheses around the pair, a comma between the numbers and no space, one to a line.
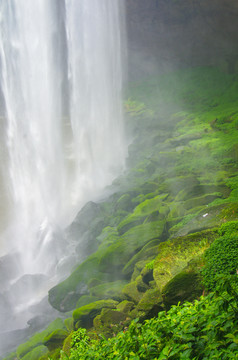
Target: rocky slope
(147,239)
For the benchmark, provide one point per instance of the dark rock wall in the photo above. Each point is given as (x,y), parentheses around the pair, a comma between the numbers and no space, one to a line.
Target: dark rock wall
(170,34)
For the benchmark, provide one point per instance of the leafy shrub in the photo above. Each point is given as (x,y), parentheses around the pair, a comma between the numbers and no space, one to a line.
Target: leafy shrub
(204,330)
(220,258)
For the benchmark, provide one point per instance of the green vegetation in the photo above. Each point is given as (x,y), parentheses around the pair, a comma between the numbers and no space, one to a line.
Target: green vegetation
(205,329)
(165,236)
(222,257)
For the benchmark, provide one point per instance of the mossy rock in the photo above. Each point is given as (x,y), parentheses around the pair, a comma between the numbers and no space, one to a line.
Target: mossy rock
(149,306)
(83,317)
(52,355)
(139,267)
(132,293)
(148,252)
(125,306)
(177,184)
(124,203)
(110,290)
(69,324)
(36,353)
(118,254)
(85,300)
(64,296)
(175,254)
(201,200)
(37,339)
(207,218)
(67,344)
(112,316)
(55,339)
(142,211)
(109,322)
(200,190)
(185,286)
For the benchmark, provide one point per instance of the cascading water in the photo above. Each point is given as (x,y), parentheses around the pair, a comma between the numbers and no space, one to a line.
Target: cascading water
(61,131)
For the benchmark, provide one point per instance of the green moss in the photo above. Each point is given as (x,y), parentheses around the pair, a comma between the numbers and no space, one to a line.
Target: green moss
(109,322)
(175,254)
(85,300)
(119,253)
(185,286)
(52,355)
(142,211)
(65,295)
(112,290)
(150,304)
(36,353)
(37,339)
(132,293)
(149,251)
(55,339)
(83,317)
(67,344)
(125,306)
(69,324)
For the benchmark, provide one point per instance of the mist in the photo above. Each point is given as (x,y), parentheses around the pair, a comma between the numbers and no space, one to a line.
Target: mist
(111,139)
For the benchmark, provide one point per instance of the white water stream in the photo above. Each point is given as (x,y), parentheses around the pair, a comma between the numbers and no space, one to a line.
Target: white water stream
(61,121)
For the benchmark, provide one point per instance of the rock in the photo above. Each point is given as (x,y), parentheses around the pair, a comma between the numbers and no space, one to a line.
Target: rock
(148,252)
(175,254)
(125,306)
(185,286)
(132,293)
(55,339)
(83,317)
(119,253)
(37,339)
(149,306)
(109,322)
(36,353)
(87,225)
(111,290)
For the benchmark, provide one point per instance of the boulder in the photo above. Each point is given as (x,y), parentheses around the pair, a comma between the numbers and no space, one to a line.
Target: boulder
(83,317)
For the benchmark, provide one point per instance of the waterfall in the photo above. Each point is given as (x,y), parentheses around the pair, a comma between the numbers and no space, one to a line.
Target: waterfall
(61,122)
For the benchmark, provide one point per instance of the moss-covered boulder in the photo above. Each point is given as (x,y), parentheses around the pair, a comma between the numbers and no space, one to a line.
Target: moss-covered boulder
(38,339)
(144,211)
(85,300)
(147,253)
(175,254)
(67,344)
(125,306)
(109,322)
(149,306)
(83,317)
(110,290)
(206,218)
(132,293)
(36,353)
(118,254)
(52,355)
(186,286)
(65,295)
(55,339)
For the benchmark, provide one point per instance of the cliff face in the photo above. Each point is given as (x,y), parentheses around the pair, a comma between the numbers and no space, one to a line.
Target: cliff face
(166,34)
